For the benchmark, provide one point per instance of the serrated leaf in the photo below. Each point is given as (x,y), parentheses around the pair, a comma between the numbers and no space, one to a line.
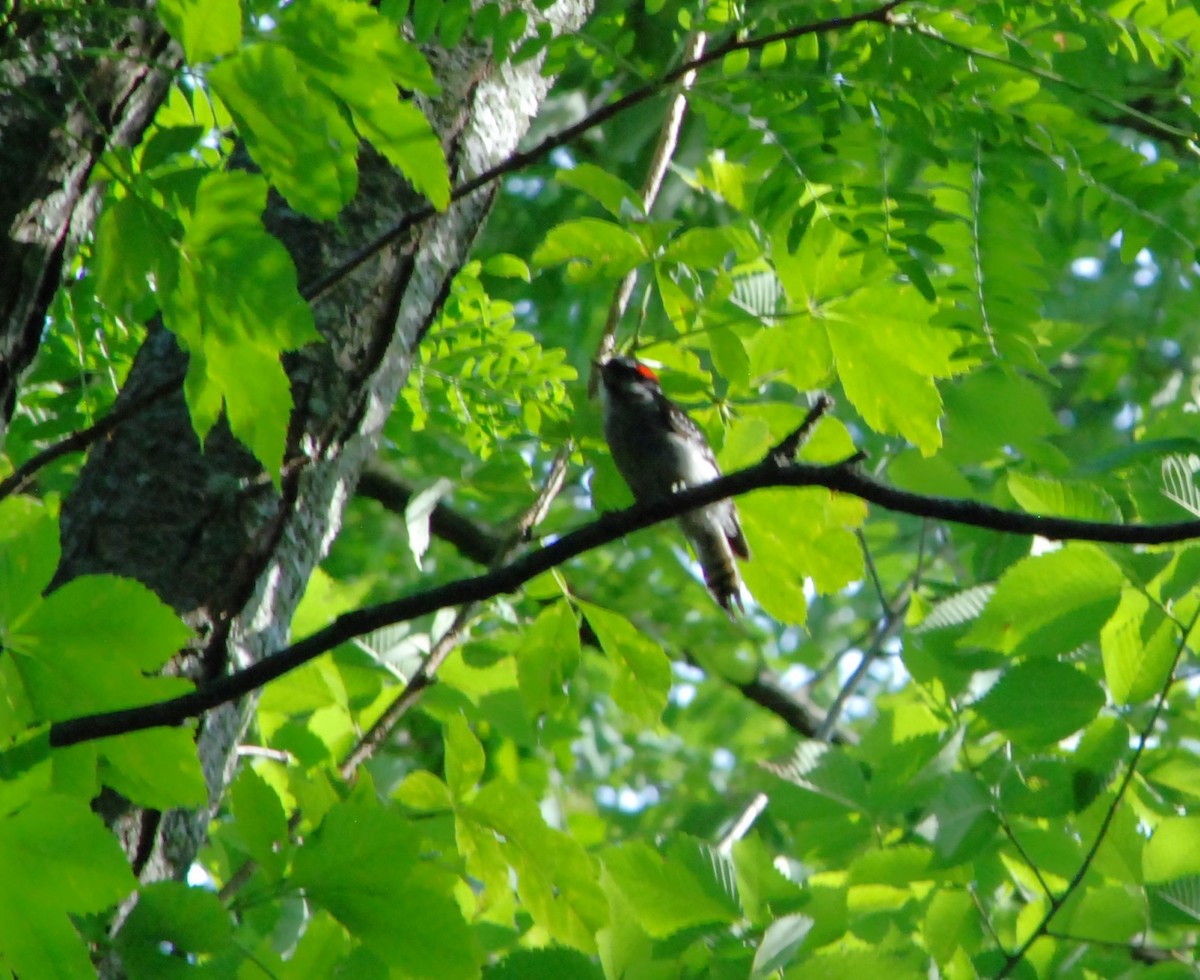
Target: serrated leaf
(616,196)
(417,514)
(642,671)
(205,28)
(1173,850)
(964,607)
(465,760)
(1058,498)
(590,248)
(29,553)
(666,887)
(236,308)
(795,535)
(780,943)
(1179,482)
(1040,702)
(68,864)
(89,645)
(1139,647)
(134,253)
(262,826)
(555,878)
(362,865)
(352,51)
(549,656)
(157,768)
(1086,587)
(297,135)
(171,925)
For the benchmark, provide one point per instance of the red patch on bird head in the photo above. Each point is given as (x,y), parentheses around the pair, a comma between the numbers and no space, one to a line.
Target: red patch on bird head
(645,372)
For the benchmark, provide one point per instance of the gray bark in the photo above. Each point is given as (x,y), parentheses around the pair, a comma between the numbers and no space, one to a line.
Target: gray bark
(207,530)
(61,108)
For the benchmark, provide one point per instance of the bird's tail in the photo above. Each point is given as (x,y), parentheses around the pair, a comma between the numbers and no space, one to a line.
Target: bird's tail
(716,562)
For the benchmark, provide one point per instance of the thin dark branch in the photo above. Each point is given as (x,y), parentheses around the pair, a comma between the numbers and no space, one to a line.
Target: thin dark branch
(771,472)
(787,449)
(877,15)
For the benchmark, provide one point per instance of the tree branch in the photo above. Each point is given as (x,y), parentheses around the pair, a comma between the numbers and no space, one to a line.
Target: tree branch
(771,472)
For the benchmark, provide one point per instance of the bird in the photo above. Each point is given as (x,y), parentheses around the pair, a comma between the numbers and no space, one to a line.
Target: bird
(658,450)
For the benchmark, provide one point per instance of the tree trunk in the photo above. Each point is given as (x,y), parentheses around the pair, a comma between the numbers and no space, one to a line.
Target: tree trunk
(204,527)
(61,109)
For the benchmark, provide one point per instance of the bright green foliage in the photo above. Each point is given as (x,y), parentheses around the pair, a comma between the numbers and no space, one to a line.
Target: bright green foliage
(70,865)
(974,225)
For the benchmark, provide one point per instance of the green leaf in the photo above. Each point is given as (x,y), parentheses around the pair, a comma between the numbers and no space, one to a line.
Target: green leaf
(1041,701)
(780,943)
(550,963)
(352,51)
(88,646)
(886,350)
(465,760)
(135,248)
(156,768)
(170,929)
(403,135)
(1086,587)
(29,554)
(205,28)
(297,135)
(1057,498)
(261,824)
(424,791)
(888,357)
(555,878)
(236,309)
(362,865)
(795,535)
(951,923)
(669,888)
(642,671)
(1173,850)
(1112,913)
(613,193)
(1139,645)
(257,394)
(68,864)
(591,248)
(549,656)
(965,817)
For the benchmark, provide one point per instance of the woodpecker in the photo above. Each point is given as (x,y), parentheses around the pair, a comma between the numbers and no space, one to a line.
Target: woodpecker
(659,450)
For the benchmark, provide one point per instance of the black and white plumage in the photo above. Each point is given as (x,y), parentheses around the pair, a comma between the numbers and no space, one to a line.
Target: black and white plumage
(659,450)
